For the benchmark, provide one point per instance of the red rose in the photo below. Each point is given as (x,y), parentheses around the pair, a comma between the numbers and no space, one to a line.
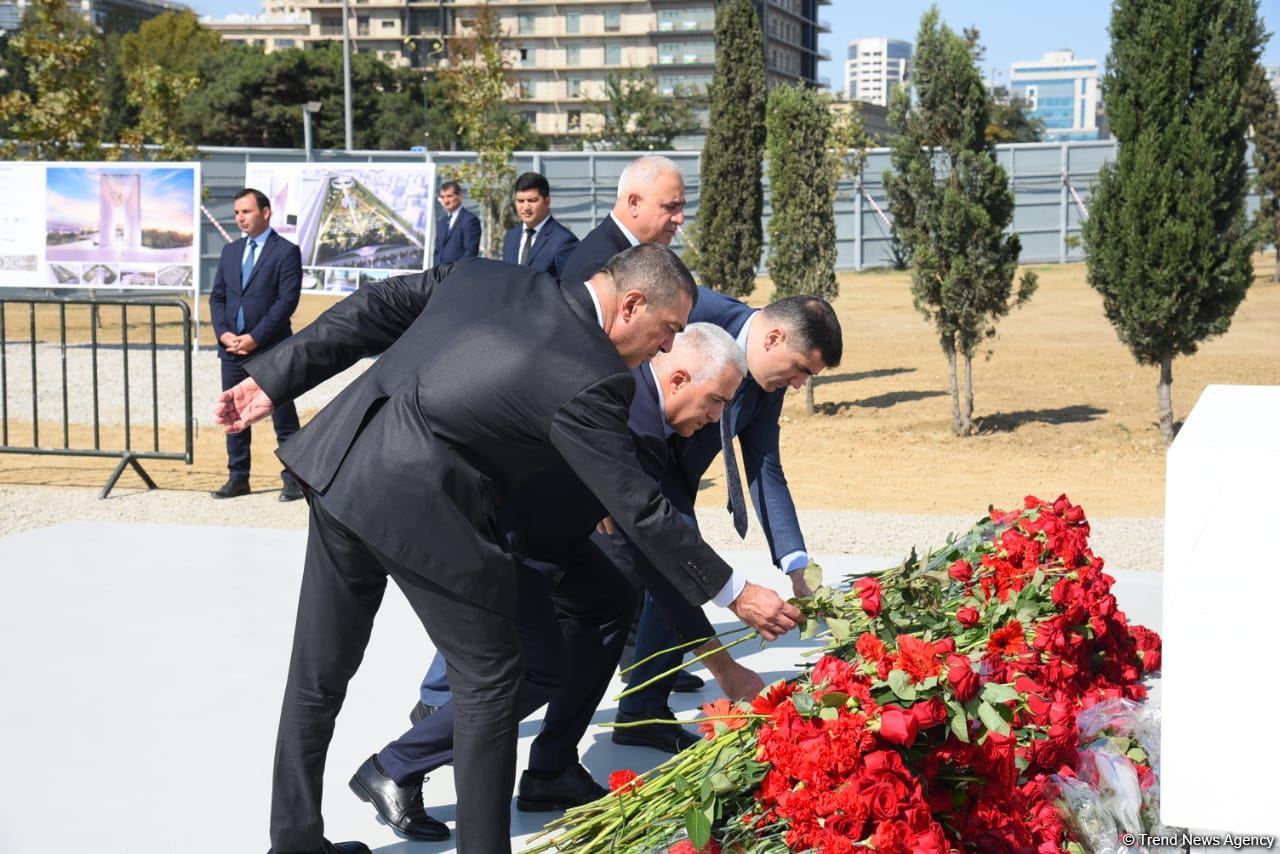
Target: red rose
(967,616)
(930,713)
(964,682)
(624,780)
(882,801)
(845,826)
(898,726)
(868,590)
(961,570)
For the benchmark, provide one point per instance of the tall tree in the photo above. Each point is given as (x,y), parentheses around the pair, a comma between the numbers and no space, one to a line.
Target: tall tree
(1264,115)
(1167,237)
(636,117)
(951,202)
(58,115)
(1010,123)
(802,190)
(729,230)
(478,72)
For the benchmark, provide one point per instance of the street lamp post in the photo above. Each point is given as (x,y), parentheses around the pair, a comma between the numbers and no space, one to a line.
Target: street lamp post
(307,109)
(346,72)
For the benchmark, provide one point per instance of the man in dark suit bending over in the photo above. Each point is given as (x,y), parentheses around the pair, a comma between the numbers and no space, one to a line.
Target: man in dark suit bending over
(255,292)
(407,467)
(539,242)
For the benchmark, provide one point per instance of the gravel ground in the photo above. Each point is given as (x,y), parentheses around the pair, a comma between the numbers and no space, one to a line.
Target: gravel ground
(1135,544)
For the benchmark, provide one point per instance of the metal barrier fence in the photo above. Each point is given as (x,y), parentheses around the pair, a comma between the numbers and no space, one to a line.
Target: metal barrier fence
(87,387)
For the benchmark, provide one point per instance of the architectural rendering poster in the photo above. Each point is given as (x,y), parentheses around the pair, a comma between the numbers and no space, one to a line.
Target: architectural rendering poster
(128,226)
(354,223)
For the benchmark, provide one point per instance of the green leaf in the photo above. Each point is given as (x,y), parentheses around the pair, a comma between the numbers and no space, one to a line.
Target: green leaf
(721,784)
(698,826)
(1137,754)
(834,699)
(813,576)
(680,783)
(900,684)
(991,718)
(810,628)
(959,723)
(840,628)
(804,703)
(828,714)
(994,693)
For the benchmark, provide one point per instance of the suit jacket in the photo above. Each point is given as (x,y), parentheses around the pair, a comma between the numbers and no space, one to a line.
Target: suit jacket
(755,415)
(550,249)
(601,243)
(460,242)
(269,297)
(506,375)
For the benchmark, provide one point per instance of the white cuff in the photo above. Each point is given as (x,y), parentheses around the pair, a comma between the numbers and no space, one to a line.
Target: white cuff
(793,561)
(731,590)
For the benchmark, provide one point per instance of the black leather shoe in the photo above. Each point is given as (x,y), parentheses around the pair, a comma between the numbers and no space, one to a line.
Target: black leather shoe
(231,489)
(570,788)
(420,711)
(687,683)
(338,848)
(669,738)
(292,491)
(400,806)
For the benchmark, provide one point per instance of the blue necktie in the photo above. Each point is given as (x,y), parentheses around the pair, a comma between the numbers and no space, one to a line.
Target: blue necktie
(246,269)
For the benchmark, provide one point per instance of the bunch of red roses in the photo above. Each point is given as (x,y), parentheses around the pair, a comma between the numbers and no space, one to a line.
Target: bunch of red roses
(946,702)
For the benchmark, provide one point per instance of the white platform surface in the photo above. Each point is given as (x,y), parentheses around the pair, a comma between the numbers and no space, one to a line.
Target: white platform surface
(1222,585)
(142,668)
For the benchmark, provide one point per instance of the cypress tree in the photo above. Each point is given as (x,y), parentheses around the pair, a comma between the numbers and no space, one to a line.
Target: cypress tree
(728,230)
(951,202)
(1264,114)
(1167,237)
(802,190)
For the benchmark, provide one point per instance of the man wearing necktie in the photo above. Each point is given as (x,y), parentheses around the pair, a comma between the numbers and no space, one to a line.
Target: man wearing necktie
(255,291)
(785,343)
(540,242)
(458,231)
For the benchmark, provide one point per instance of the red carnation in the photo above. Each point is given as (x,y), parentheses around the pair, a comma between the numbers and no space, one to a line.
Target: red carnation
(870,647)
(898,726)
(967,616)
(868,590)
(624,780)
(1008,639)
(916,658)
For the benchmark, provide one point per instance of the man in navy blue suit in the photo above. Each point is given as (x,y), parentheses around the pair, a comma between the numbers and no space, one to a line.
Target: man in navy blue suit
(785,343)
(458,231)
(539,242)
(255,292)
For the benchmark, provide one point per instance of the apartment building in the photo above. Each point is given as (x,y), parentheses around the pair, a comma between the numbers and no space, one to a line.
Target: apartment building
(561,51)
(108,16)
(1061,91)
(874,68)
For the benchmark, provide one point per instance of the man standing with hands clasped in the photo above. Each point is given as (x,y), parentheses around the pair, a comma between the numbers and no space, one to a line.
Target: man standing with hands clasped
(255,292)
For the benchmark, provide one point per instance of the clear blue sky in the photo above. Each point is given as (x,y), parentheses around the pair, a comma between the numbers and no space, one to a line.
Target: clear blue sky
(1012,30)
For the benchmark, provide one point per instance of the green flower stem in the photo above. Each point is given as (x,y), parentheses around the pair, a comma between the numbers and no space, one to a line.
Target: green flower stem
(688,645)
(631,689)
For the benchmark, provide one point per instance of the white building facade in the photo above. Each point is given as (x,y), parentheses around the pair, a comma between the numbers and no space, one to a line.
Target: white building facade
(875,67)
(1061,91)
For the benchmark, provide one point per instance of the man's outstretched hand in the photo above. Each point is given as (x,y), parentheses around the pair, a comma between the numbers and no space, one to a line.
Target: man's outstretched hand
(765,611)
(241,405)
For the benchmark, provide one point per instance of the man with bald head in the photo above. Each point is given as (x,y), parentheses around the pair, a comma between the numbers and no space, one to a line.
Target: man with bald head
(649,209)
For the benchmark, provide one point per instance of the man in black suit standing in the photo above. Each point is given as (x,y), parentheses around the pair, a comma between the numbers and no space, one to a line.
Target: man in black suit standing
(255,291)
(458,231)
(406,469)
(540,242)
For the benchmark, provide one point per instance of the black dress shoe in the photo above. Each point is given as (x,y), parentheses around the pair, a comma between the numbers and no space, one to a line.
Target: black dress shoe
(570,788)
(337,848)
(669,738)
(420,711)
(292,491)
(400,806)
(687,683)
(231,489)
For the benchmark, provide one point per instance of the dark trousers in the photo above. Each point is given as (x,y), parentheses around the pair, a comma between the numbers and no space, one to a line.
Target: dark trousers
(572,622)
(284,418)
(342,585)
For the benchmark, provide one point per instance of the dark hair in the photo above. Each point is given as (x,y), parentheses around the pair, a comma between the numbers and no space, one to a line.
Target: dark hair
(811,324)
(264,204)
(451,185)
(533,181)
(655,271)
